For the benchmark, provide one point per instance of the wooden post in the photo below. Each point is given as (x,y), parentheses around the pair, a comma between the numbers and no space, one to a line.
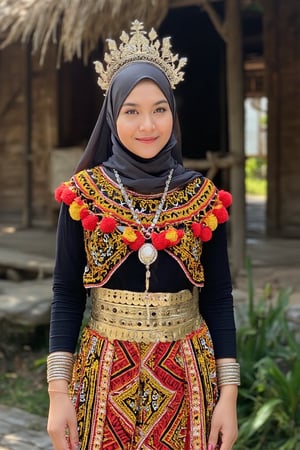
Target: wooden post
(27,209)
(235,95)
(230,30)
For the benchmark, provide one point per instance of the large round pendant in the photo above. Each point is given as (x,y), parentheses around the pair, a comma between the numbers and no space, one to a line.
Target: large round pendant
(147,254)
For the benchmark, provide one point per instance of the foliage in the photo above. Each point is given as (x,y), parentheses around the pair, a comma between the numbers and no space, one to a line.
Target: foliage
(256,183)
(269,400)
(24,384)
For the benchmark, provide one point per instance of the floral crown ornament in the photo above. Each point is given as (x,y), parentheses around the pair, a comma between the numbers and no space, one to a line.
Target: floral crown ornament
(140,47)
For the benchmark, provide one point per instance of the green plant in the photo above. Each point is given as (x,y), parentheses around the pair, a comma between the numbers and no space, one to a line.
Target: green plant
(269,400)
(255,170)
(25,387)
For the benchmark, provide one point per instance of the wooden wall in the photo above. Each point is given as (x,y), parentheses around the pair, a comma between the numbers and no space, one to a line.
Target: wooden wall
(282,54)
(12,130)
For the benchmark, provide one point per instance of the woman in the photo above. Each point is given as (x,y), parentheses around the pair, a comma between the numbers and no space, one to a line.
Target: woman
(146,239)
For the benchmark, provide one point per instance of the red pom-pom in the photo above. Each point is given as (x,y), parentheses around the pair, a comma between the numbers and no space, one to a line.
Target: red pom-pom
(205,234)
(226,198)
(58,192)
(180,234)
(221,214)
(107,225)
(138,242)
(196,228)
(159,240)
(84,212)
(90,222)
(68,196)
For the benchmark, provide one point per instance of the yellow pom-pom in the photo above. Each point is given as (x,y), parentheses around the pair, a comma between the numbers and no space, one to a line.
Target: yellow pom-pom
(211,222)
(172,235)
(129,234)
(74,210)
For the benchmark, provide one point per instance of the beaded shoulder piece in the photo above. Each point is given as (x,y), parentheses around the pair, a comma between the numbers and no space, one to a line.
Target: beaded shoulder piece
(189,217)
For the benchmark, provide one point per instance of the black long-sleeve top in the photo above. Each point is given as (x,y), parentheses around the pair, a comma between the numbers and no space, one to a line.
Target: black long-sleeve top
(69,299)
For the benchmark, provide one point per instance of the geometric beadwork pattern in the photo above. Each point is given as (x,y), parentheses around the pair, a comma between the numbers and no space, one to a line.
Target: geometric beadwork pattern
(157,396)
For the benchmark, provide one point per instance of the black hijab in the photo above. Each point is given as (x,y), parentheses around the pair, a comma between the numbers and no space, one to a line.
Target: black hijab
(144,175)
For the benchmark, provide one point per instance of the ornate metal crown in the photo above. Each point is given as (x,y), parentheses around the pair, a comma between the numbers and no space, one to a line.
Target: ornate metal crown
(140,47)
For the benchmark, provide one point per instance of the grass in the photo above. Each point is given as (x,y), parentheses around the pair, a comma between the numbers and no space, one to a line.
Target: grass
(23,375)
(25,392)
(256,182)
(256,186)
(23,354)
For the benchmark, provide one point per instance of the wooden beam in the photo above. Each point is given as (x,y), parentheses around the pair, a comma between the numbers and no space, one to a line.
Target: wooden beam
(208,8)
(214,162)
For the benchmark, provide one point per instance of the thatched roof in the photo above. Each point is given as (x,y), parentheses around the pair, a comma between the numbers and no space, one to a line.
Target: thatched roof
(75,25)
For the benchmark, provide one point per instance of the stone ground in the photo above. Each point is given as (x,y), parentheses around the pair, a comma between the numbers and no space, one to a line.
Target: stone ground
(20,430)
(30,254)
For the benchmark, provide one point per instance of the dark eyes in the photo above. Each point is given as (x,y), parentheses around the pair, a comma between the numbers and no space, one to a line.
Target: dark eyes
(159,110)
(131,111)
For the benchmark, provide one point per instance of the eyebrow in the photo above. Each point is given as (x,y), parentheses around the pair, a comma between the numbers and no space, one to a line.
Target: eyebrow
(136,104)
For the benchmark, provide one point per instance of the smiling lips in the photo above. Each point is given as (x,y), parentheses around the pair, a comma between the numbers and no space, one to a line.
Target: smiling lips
(147,140)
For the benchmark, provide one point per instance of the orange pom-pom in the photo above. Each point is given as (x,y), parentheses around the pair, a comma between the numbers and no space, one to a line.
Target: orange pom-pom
(90,222)
(211,221)
(74,210)
(129,235)
(226,198)
(173,236)
(107,225)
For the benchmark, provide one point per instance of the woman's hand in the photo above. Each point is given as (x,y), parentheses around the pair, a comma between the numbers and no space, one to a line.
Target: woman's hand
(62,421)
(224,428)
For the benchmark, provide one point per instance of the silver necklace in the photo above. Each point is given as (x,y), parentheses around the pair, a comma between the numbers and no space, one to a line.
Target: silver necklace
(147,253)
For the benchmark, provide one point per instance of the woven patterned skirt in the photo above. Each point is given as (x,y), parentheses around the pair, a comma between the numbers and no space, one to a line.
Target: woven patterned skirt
(151,396)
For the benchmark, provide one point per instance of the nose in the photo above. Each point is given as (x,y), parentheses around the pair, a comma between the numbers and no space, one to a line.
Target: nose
(147,123)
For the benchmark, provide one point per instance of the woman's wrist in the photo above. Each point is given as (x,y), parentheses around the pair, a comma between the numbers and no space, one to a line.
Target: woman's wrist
(228,392)
(60,366)
(58,387)
(228,372)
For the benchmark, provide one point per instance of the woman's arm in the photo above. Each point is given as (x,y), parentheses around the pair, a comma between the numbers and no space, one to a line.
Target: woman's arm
(215,298)
(69,294)
(216,306)
(69,298)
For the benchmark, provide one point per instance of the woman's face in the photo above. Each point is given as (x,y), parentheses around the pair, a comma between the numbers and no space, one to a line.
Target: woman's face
(145,120)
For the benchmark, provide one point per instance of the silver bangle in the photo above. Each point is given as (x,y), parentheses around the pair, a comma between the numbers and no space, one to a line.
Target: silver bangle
(228,373)
(59,366)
